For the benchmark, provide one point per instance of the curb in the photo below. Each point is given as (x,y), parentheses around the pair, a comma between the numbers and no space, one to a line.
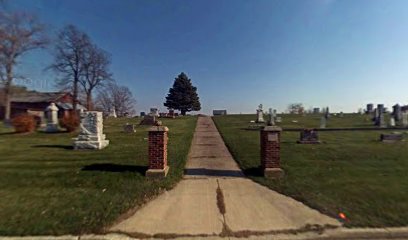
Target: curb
(334,234)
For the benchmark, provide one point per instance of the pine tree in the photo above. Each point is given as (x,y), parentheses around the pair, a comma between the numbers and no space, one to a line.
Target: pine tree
(183,95)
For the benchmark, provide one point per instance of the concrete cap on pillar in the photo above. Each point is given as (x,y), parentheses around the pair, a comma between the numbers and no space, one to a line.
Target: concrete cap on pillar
(159,129)
(272,129)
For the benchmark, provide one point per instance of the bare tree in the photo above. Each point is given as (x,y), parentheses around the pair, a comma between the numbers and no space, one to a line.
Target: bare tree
(116,97)
(96,72)
(19,34)
(296,108)
(70,54)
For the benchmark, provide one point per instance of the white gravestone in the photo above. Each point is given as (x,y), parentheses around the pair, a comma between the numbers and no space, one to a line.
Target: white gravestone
(52,118)
(154,112)
(405,119)
(91,132)
(392,122)
(112,113)
(259,114)
(271,120)
(323,122)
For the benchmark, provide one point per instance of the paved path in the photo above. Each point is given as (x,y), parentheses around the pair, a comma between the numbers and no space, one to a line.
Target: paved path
(213,182)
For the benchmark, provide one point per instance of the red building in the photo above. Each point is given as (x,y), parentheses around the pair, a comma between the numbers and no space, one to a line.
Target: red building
(36,102)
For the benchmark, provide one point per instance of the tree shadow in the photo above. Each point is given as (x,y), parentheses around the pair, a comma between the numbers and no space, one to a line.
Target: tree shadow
(110,167)
(212,172)
(254,172)
(251,129)
(9,133)
(56,132)
(67,147)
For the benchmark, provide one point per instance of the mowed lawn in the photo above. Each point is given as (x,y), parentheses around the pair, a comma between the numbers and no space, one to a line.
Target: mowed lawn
(351,172)
(48,188)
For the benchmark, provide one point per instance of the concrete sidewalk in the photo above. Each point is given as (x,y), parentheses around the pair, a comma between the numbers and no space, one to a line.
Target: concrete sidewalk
(216,199)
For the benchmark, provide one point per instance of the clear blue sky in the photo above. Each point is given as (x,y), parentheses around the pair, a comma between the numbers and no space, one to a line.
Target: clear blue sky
(337,53)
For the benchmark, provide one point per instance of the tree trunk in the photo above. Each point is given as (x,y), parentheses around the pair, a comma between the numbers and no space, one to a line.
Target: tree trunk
(89,104)
(7,93)
(183,112)
(7,109)
(75,95)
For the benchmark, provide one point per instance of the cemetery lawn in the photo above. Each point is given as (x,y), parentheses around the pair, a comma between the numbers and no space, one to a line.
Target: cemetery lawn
(47,188)
(352,172)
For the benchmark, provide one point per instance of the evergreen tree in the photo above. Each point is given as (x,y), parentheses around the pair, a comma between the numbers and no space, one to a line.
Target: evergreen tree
(183,95)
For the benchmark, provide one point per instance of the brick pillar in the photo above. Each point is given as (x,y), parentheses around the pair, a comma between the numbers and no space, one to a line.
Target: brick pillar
(157,152)
(270,152)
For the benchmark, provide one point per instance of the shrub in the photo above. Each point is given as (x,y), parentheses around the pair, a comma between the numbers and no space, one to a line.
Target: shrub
(70,122)
(24,123)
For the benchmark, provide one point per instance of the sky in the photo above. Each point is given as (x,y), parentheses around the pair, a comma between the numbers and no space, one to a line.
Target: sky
(240,53)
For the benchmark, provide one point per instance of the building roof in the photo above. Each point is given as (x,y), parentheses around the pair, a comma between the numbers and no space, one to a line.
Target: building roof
(68,106)
(219,112)
(32,97)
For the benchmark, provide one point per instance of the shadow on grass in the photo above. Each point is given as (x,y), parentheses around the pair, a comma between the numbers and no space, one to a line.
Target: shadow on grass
(8,133)
(68,147)
(110,167)
(57,132)
(251,129)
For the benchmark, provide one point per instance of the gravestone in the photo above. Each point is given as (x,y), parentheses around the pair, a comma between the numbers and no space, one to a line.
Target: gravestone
(396,112)
(271,118)
(323,122)
(148,120)
(275,115)
(392,137)
(129,128)
(375,117)
(154,112)
(259,115)
(370,108)
(379,116)
(309,136)
(52,118)
(380,120)
(327,113)
(112,113)
(392,122)
(405,119)
(91,132)
(171,113)
(380,108)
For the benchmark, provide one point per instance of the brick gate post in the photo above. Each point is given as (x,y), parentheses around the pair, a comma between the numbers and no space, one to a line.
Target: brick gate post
(270,152)
(158,140)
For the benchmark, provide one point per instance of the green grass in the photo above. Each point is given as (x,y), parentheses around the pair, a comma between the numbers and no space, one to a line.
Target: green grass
(45,188)
(352,172)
